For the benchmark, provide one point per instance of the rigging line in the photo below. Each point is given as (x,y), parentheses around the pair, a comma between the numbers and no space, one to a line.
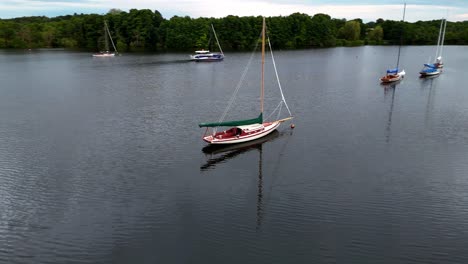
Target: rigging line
(216,37)
(279,111)
(278,106)
(239,84)
(277,77)
(108,32)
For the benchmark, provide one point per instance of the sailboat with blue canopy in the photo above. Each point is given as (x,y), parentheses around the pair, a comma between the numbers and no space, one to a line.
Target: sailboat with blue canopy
(431,69)
(394,74)
(392,71)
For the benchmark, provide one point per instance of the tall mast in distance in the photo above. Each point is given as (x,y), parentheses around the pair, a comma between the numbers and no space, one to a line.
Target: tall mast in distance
(262,89)
(401,38)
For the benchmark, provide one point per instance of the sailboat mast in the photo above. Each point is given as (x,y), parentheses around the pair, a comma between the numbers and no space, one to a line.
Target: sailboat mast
(106,41)
(439,39)
(401,38)
(443,38)
(110,37)
(217,41)
(262,91)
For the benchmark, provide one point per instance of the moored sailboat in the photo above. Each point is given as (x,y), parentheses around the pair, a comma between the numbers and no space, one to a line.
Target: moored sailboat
(431,69)
(247,129)
(395,74)
(107,36)
(206,55)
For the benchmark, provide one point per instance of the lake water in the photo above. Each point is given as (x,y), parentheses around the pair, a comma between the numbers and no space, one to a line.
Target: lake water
(101,160)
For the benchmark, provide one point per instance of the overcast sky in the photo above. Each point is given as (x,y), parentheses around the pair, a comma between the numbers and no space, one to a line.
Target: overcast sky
(455,10)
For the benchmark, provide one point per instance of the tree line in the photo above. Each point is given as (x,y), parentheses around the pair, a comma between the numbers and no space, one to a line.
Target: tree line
(146,30)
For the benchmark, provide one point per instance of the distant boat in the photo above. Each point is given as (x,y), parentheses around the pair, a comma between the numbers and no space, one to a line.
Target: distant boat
(431,69)
(206,55)
(107,36)
(395,74)
(247,129)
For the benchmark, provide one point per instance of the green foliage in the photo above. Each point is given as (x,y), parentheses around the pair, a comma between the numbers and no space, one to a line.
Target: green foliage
(351,30)
(375,35)
(146,30)
(322,31)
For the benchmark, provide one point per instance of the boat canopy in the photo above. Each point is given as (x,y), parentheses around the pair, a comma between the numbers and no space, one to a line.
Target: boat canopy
(257,120)
(202,51)
(392,71)
(430,65)
(429,70)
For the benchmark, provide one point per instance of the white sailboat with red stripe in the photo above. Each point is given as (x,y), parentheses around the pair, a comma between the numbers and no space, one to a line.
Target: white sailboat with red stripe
(247,129)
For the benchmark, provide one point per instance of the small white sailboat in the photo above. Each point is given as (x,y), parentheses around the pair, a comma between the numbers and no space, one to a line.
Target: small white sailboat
(431,69)
(247,129)
(106,52)
(395,74)
(206,55)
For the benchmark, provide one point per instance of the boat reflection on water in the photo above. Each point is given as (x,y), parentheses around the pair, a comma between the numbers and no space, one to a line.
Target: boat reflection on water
(429,84)
(220,154)
(390,86)
(390,89)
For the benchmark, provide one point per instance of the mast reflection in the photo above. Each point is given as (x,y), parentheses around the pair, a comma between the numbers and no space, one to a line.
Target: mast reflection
(428,83)
(220,154)
(390,89)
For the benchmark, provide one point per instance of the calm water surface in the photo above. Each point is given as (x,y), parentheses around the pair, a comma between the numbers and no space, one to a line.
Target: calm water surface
(101,160)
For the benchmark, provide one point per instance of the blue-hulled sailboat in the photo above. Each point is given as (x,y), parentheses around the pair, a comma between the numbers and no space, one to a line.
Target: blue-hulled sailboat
(431,69)
(206,55)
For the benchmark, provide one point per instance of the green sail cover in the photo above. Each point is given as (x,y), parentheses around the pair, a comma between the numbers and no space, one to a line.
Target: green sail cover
(257,120)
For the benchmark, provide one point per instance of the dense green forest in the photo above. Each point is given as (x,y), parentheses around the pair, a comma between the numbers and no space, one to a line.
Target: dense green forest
(145,30)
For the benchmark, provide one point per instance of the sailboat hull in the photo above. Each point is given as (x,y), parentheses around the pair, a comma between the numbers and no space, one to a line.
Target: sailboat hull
(247,133)
(207,57)
(390,78)
(104,55)
(431,73)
